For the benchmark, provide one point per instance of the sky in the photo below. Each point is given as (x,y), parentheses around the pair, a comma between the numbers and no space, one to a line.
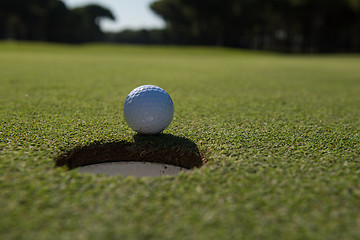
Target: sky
(133,14)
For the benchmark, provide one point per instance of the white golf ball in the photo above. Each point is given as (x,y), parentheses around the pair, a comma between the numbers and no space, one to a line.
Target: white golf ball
(148,109)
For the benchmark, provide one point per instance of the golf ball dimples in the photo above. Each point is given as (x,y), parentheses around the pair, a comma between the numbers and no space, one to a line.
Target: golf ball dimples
(148,109)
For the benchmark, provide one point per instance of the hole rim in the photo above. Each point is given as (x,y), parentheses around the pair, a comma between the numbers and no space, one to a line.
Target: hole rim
(163,149)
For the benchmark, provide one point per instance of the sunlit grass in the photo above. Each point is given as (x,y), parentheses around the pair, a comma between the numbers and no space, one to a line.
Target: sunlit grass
(280,133)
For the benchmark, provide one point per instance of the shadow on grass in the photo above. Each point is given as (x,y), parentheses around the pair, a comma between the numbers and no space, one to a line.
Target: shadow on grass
(161,148)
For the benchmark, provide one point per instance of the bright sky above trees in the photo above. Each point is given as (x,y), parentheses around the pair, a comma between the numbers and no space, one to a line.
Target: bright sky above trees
(129,13)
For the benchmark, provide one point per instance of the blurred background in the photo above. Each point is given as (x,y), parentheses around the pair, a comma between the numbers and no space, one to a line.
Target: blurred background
(293,26)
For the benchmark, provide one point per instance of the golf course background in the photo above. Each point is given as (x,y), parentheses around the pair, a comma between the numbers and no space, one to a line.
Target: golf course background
(280,134)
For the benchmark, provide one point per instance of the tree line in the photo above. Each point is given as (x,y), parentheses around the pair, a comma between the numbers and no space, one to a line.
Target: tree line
(281,25)
(51,20)
(276,25)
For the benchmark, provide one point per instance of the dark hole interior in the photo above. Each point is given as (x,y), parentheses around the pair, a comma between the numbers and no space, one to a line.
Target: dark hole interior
(162,148)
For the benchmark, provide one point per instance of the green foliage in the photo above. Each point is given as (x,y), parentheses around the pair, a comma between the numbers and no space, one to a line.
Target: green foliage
(142,36)
(51,20)
(282,25)
(281,135)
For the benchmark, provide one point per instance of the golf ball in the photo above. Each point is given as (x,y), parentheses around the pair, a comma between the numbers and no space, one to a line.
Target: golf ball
(148,109)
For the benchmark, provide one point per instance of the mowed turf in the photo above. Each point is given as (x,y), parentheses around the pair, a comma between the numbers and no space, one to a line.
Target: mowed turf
(280,134)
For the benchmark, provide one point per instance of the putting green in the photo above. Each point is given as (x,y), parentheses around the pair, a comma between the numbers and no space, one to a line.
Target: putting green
(276,139)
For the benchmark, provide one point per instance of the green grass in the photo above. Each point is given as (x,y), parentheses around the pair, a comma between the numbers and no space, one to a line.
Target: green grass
(281,135)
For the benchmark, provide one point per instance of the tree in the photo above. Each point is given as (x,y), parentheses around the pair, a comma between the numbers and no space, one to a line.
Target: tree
(85,23)
(178,18)
(50,20)
(280,25)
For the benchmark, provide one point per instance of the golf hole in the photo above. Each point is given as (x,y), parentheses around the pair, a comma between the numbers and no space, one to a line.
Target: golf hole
(162,155)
